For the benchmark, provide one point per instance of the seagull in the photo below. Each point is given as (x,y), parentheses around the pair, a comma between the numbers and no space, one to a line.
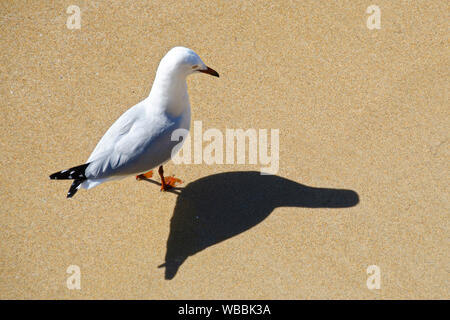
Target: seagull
(140,140)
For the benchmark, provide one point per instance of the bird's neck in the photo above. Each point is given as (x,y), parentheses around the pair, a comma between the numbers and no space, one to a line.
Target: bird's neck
(169,92)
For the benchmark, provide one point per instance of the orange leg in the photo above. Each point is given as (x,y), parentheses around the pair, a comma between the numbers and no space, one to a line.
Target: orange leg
(146,175)
(167,182)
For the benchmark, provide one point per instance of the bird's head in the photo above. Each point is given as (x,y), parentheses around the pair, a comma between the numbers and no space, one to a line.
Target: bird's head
(184,61)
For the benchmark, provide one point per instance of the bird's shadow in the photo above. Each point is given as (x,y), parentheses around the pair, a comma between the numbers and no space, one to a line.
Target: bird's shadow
(218,207)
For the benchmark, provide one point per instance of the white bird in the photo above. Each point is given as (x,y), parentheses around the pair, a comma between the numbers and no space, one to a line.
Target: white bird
(140,139)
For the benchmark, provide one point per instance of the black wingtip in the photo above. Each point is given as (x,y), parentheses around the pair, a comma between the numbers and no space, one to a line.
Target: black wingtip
(71,194)
(74,188)
(53,176)
(74,173)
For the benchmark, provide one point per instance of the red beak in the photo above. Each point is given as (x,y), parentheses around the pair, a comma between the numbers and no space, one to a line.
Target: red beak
(210,71)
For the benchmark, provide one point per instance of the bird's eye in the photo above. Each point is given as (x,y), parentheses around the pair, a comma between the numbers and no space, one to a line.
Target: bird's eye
(195,67)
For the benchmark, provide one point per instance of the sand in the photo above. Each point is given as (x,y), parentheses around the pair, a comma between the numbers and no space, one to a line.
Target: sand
(363,179)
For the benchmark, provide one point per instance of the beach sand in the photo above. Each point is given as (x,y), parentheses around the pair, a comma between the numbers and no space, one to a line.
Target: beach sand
(363,118)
